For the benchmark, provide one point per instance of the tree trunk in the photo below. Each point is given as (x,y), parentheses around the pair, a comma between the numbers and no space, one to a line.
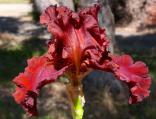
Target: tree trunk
(41,5)
(139,13)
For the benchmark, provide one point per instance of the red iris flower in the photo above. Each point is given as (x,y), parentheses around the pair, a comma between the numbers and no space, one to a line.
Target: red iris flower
(78,45)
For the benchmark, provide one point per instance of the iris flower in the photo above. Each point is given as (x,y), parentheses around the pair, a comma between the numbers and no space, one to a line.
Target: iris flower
(78,45)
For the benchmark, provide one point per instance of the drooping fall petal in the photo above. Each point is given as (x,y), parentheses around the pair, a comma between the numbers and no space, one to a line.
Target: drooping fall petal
(37,74)
(136,75)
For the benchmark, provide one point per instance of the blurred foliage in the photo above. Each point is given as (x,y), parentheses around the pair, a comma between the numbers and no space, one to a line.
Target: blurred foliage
(76,4)
(35,15)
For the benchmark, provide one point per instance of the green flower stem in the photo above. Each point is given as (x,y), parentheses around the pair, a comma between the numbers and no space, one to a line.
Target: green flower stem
(78,108)
(76,97)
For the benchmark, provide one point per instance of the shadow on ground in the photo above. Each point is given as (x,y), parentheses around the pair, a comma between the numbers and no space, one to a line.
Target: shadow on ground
(141,44)
(20,27)
(9,24)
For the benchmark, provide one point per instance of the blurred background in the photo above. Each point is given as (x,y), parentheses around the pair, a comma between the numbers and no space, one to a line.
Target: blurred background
(131,26)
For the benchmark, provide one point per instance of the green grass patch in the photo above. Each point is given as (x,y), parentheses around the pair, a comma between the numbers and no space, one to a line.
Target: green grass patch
(13,60)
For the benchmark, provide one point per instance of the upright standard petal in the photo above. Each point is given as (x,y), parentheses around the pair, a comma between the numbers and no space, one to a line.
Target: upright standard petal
(37,74)
(77,37)
(136,75)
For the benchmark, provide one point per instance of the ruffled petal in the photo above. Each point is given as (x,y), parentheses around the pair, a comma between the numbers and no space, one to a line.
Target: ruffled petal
(37,74)
(136,76)
(125,60)
(77,37)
